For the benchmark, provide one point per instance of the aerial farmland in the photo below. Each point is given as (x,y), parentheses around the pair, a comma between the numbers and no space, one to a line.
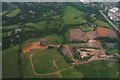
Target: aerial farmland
(59,40)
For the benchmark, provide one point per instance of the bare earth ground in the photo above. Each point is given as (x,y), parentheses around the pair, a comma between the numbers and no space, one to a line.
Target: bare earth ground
(104,32)
(79,35)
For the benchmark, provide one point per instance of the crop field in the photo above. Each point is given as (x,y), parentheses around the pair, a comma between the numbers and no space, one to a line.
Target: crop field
(73,16)
(13,13)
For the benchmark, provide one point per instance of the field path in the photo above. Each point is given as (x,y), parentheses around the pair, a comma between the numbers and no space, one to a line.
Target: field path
(59,71)
(30,57)
(59,74)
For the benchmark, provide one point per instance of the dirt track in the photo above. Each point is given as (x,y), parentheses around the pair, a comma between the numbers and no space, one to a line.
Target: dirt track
(30,57)
(59,71)
(33,46)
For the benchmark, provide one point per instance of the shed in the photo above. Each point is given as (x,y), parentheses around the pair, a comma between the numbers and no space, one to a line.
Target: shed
(44,42)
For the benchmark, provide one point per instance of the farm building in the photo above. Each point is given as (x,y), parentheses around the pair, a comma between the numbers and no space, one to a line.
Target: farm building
(18,30)
(44,42)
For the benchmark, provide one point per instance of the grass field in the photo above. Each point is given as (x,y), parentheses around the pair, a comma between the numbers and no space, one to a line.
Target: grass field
(67,36)
(73,16)
(10,26)
(39,25)
(43,63)
(72,73)
(13,13)
(11,65)
(55,39)
(102,23)
(99,69)
(86,28)
(45,57)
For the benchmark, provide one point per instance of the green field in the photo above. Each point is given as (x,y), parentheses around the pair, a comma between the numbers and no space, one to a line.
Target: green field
(86,28)
(102,23)
(73,16)
(11,63)
(72,73)
(13,13)
(55,39)
(10,26)
(99,69)
(43,63)
(38,26)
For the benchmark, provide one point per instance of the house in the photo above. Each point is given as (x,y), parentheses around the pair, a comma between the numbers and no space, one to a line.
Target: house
(44,42)
(18,30)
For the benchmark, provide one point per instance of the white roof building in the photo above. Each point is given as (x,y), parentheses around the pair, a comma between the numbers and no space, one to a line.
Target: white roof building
(114,14)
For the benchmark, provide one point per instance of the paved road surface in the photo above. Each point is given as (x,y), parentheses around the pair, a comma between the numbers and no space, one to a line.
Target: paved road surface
(109,21)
